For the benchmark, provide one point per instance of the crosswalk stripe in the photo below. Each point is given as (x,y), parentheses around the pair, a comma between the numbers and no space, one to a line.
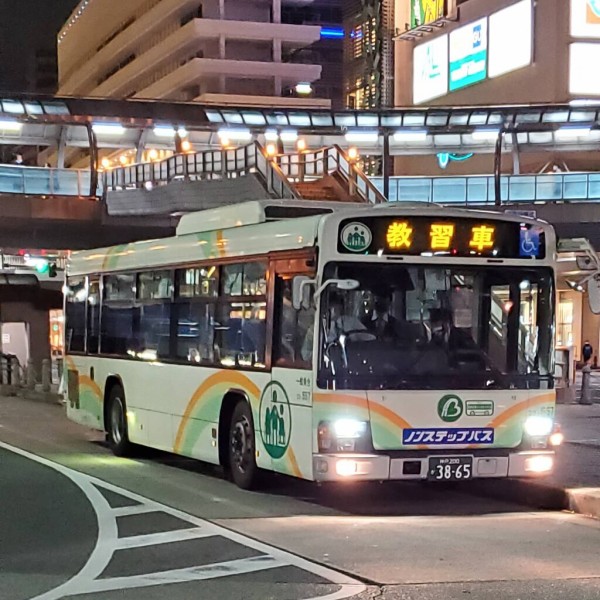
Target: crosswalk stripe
(164,537)
(212,571)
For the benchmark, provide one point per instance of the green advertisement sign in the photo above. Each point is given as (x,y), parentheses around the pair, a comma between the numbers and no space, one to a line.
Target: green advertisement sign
(423,12)
(468,55)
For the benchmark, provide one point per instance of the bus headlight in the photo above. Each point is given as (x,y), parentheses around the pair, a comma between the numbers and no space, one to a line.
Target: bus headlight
(538,426)
(349,428)
(344,435)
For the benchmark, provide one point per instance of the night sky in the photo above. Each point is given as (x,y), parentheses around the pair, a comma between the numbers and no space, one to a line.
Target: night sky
(27,25)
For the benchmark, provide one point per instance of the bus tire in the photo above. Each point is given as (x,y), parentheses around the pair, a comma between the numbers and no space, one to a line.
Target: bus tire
(242,447)
(116,426)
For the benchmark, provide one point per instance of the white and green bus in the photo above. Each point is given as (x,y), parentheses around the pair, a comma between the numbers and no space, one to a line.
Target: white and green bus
(324,341)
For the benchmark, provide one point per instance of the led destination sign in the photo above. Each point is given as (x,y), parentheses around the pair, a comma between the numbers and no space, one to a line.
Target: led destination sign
(440,236)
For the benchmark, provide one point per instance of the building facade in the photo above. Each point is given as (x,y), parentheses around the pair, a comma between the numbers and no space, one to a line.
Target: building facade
(211,51)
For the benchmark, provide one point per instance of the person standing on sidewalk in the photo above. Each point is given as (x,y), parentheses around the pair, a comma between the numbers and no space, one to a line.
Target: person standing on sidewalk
(587,351)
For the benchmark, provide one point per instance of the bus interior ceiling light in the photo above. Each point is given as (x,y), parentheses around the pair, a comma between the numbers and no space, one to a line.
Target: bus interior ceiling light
(485,134)
(332,33)
(8,125)
(410,135)
(358,136)
(108,128)
(568,133)
(235,133)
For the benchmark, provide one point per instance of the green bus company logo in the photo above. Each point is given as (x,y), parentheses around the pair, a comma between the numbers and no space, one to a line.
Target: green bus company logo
(356,237)
(275,419)
(450,408)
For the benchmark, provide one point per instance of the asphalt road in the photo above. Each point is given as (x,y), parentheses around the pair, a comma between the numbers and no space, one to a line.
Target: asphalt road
(77,522)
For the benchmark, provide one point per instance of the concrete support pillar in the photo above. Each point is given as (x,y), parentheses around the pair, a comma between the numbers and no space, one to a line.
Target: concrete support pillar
(46,374)
(30,375)
(586,390)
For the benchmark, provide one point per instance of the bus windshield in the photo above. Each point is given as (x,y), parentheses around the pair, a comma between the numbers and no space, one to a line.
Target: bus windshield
(436,327)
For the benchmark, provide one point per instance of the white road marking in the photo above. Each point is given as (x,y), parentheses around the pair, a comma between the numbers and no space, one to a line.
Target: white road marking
(165,537)
(138,509)
(108,541)
(212,571)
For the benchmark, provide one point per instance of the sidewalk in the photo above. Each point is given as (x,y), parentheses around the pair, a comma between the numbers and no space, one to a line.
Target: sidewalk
(577,467)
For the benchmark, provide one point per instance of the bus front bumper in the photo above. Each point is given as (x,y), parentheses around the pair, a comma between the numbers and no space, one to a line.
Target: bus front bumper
(377,467)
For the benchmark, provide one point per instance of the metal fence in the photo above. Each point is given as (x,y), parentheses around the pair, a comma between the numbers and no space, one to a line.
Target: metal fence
(43,181)
(479,189)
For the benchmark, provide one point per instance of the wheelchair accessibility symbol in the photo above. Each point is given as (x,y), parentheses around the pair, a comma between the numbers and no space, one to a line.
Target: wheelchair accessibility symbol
(529,243)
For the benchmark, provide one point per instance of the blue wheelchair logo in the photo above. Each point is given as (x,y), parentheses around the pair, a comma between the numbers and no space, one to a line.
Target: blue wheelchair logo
(529,243)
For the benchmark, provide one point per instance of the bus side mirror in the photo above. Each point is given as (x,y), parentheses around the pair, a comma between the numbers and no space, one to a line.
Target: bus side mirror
(301,292)
(593,286)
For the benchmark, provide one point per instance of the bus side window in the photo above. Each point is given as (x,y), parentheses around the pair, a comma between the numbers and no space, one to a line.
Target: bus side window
(93,316)
(75,314)
(292,341)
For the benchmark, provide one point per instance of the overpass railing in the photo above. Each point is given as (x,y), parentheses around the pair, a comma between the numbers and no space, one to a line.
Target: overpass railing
(202,166)
(45,181)
(311,165)
(479,189)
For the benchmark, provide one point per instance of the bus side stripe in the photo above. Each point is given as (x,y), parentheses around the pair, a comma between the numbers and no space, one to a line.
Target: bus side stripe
(231,377)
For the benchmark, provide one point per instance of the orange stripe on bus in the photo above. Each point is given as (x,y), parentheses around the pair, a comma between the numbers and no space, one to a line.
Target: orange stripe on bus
(382,411)
(232,377)
(294,463)
(517,408)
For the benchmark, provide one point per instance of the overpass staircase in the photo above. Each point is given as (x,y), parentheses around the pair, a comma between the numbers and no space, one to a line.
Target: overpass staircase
(197,181)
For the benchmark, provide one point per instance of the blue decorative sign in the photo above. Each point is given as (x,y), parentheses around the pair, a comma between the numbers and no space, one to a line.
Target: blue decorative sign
(443,437)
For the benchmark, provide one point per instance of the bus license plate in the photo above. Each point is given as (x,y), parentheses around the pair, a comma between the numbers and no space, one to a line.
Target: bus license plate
(450,468)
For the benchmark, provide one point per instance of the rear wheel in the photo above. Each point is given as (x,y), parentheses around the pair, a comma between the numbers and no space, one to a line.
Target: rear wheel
(242,447)
(118,437)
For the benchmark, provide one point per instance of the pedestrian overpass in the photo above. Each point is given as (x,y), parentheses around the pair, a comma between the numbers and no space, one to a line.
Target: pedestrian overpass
(223,152)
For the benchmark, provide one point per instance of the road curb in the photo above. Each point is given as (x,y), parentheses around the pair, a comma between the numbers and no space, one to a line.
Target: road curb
(585,501)
(45,397)
(542,496)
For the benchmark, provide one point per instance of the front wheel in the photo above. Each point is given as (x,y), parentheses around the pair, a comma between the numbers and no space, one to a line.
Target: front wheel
(242,447)
(118,438)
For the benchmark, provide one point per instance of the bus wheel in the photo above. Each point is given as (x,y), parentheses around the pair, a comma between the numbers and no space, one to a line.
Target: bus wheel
(118,438)
(242,448)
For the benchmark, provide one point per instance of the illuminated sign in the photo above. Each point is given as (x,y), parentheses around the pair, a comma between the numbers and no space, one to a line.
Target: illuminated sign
(462,237)
(482,237)
(441,235)
(585,18)
(423,12)
(399,235)
(430,70)
(584,78)
(510,39)
(468,54)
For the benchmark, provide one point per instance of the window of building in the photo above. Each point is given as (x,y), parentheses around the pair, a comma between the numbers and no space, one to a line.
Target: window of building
(564,321)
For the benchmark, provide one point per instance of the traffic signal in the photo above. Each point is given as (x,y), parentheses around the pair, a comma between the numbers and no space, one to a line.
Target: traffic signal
(51,269)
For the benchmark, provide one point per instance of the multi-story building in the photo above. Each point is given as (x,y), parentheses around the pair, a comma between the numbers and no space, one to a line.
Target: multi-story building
(211,51)
(369,53)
